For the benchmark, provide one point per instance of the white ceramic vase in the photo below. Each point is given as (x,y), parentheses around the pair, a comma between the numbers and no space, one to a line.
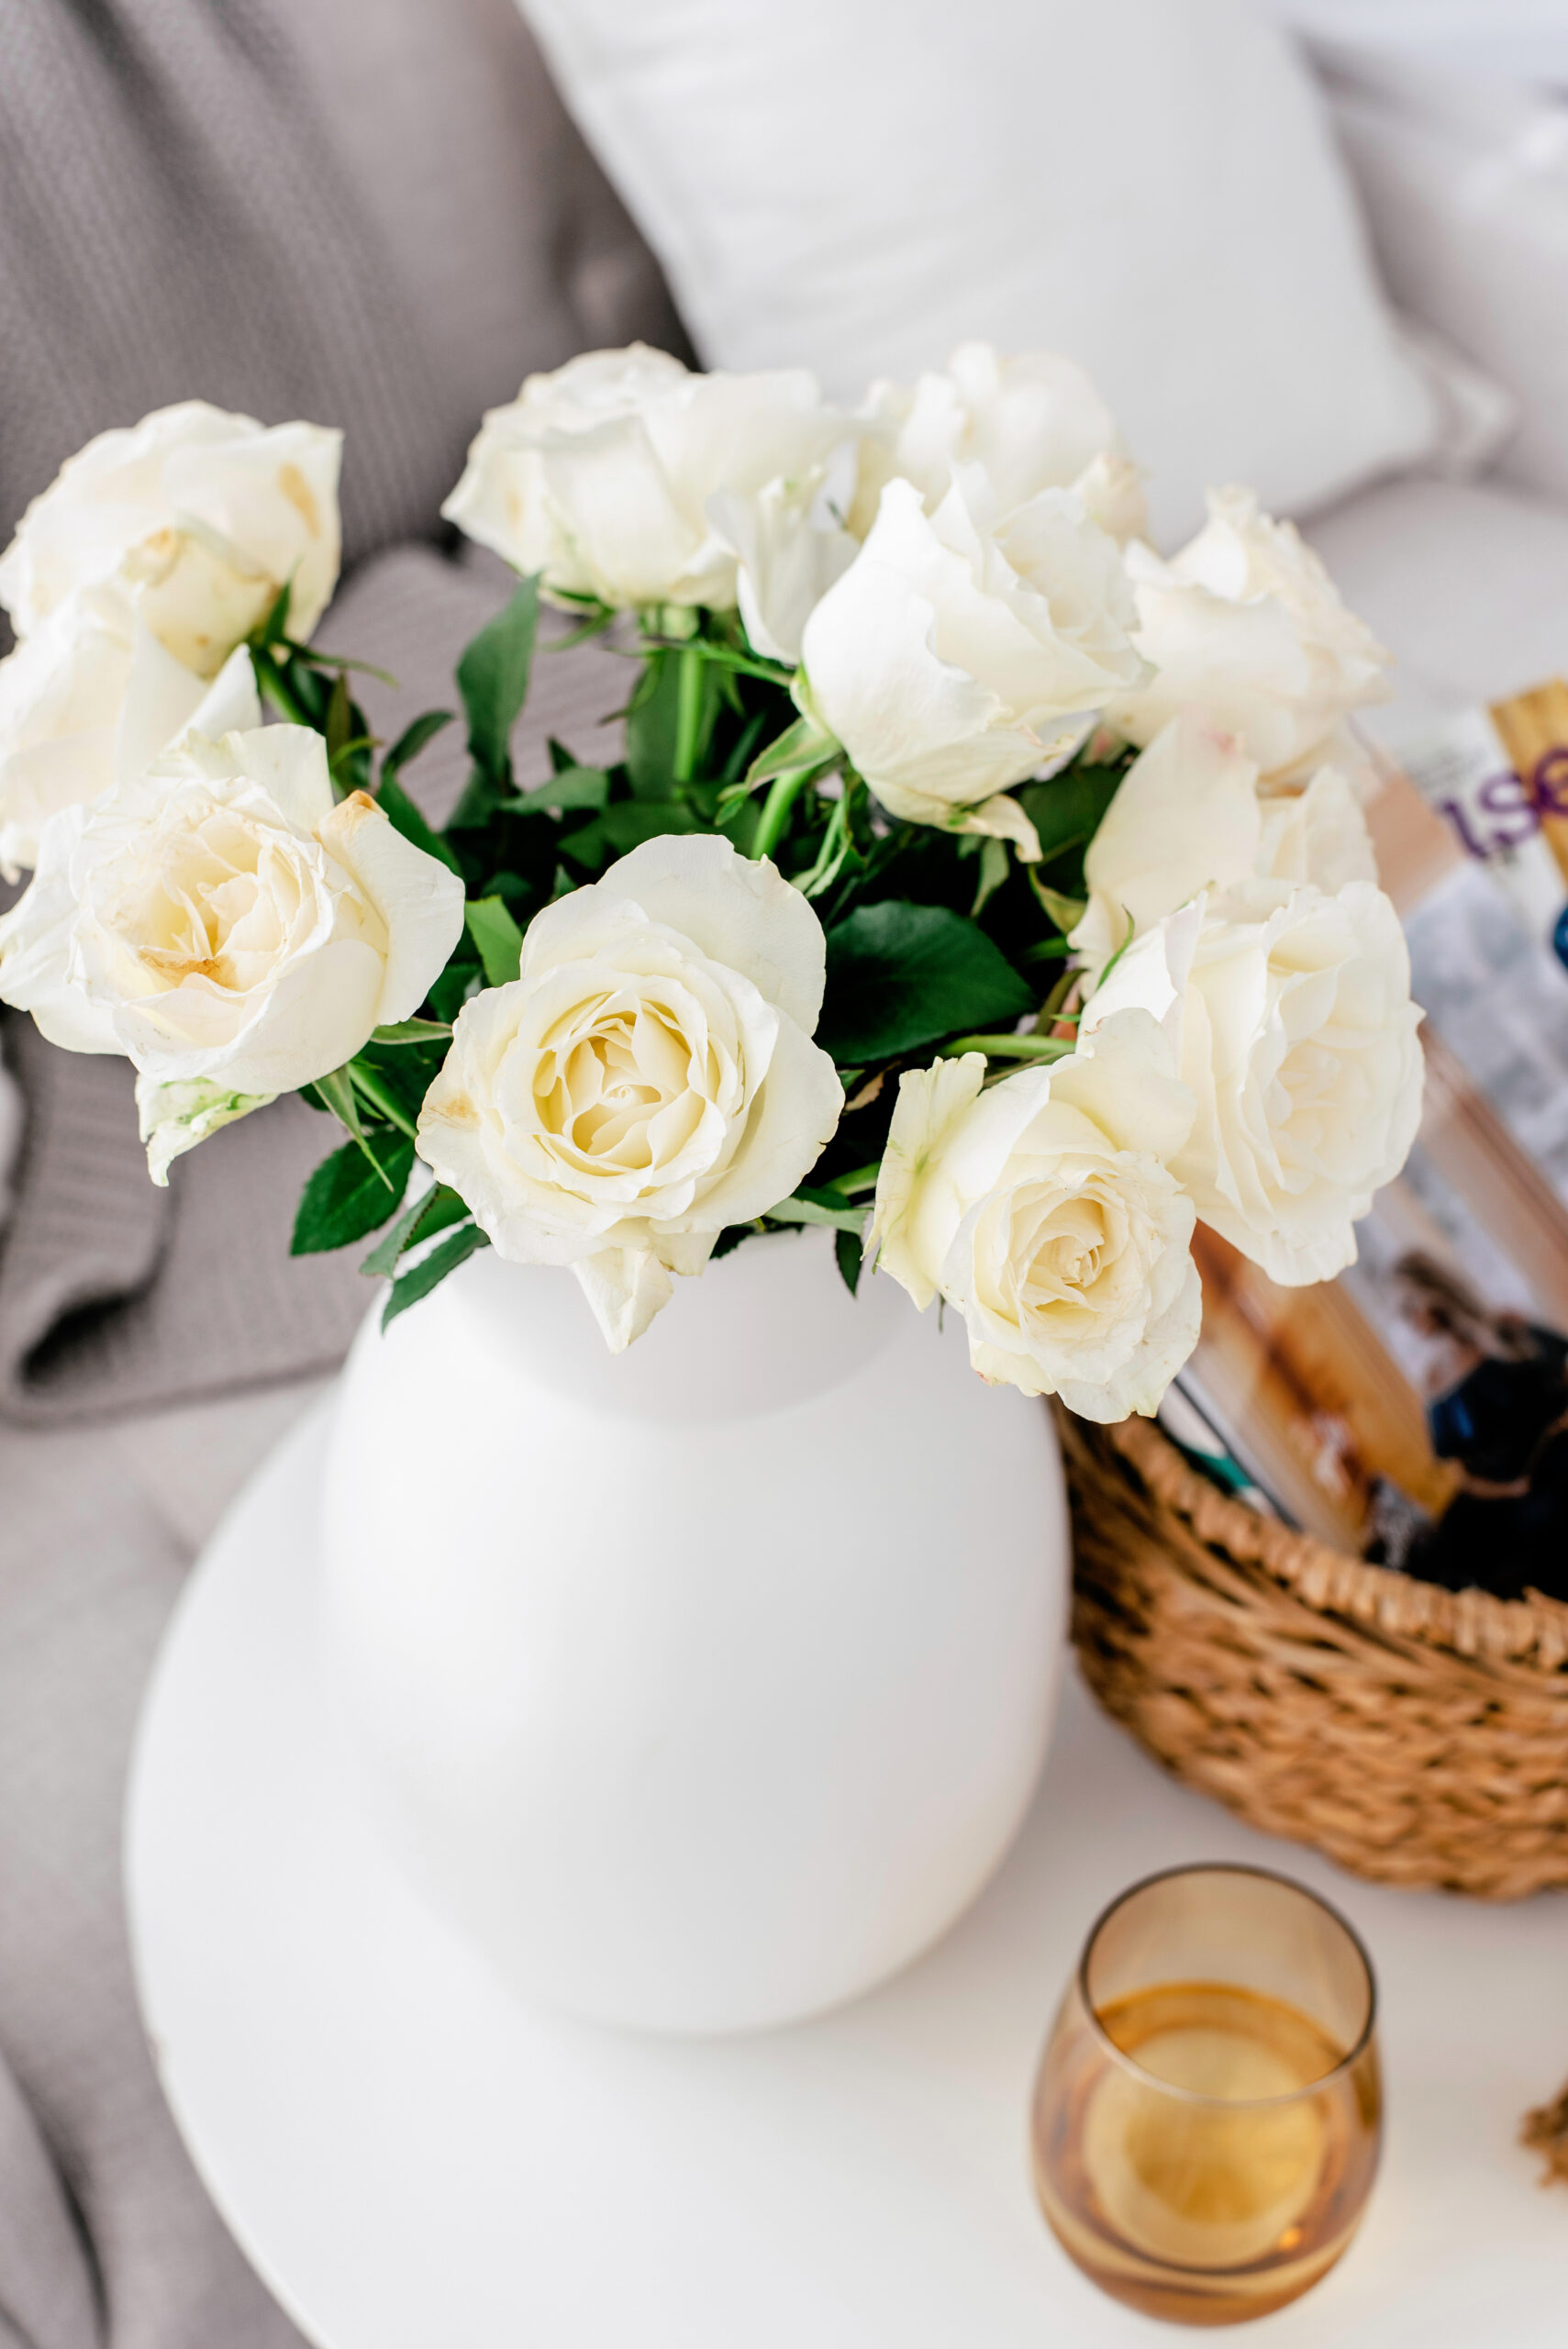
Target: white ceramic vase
(705,1687)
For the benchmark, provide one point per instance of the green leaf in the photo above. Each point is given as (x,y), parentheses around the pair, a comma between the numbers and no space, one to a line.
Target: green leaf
(595,625)
(339,720)
(338,1092)
(1069,809)
(314,654)
(492,678)
(729,1238)
(1065,912)
(804,744)
(284,684)
(809,1206)
(351,768)
(412,1031)
(738,826)
(628,824)
(572,786)
(403,817)
(480,797)
(993,872)
(348,1195)
(901,975)
(274,627)
(652,722)
(412,740)
(381,1090)
(431,1270)
(460,978)
(849,1255)
(438,1209)
(498,939)
(625,826)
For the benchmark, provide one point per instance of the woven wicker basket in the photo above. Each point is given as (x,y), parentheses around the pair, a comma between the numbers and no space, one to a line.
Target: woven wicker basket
(1416,1735)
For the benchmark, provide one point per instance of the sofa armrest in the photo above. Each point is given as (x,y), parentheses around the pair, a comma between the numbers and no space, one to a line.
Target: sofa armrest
(1465,193)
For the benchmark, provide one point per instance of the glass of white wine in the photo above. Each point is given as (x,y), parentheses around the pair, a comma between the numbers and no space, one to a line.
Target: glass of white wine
(1208,2111)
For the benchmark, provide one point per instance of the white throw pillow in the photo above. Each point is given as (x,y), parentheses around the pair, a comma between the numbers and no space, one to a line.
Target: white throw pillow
(1465,182)
(1526,40)
(1148,185)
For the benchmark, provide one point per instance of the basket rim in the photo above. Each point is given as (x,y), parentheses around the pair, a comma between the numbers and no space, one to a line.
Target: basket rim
(1532,1631)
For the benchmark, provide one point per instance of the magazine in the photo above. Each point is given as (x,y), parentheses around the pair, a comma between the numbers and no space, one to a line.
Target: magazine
(1415,1411)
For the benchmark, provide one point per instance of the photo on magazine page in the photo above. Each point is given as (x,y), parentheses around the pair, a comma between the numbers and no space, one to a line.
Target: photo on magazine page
(1415,1411)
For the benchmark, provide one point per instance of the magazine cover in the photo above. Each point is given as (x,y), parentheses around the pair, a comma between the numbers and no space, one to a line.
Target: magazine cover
(1415,1411)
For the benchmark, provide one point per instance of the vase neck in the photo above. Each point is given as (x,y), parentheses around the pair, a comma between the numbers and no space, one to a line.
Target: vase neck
(767,1326)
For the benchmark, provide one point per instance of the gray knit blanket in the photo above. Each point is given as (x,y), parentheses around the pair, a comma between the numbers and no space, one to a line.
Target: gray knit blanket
(173,224)
(115,1296)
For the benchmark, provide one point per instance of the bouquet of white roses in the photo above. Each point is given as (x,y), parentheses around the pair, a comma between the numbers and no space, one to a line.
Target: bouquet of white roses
(973,881)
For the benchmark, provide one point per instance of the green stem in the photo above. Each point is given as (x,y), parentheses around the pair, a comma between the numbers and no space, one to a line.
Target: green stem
(376,1089)
(1049,1010)
(862,1179)
(276,687)
(782,793)
(340,661)
(1011,1048)
(701,649)
(740,757)
(689,713)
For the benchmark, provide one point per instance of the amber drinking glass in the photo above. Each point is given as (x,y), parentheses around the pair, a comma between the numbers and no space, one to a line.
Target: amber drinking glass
(1208,2112)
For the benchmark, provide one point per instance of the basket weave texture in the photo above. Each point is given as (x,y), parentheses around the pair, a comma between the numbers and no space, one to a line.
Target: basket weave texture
(1418,1736)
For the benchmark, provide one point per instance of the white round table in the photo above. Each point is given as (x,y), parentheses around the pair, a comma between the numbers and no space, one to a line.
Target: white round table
(413,2161)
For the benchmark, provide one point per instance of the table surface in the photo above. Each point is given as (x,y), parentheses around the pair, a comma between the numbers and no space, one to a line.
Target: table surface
(414,2161)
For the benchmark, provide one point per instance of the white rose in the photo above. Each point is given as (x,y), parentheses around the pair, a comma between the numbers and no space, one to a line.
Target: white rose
(199,517)
(1246,626)
(1044,1208)
(1187,817)
(1318,835)
(1292,1014)
(89,698)
(789,547)
(647,1079)
(220,919)
(1031,423)
(963,650)
(599,475)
